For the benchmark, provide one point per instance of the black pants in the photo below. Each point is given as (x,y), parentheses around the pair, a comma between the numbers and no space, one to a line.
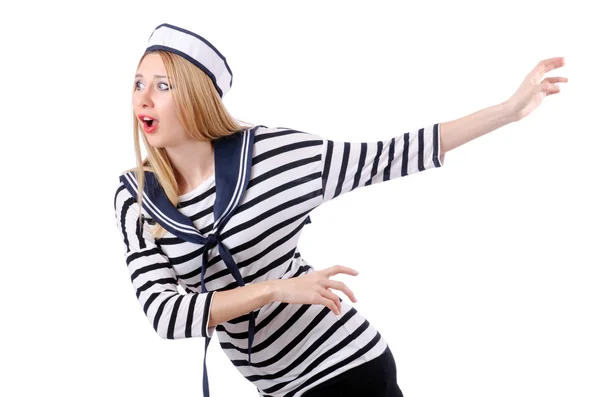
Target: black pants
(376,378)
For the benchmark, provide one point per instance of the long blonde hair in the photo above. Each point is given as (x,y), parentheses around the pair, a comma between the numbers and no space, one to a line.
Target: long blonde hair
(202,114)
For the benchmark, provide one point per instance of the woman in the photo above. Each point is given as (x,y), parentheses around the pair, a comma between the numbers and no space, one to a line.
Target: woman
(217,209)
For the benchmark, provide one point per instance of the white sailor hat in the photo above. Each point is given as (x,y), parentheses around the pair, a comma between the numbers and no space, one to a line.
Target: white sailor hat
(195,49)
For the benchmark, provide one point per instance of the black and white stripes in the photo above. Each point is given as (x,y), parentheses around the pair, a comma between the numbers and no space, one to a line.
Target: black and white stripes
(154,280)
(351,165)
(295,347)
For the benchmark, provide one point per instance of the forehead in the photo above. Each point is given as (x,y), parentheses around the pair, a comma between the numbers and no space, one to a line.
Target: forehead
(151,64)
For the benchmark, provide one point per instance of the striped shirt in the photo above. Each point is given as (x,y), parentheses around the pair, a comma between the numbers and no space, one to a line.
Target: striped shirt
(296,346)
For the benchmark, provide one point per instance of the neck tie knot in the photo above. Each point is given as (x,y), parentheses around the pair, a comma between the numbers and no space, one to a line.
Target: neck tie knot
(211,241)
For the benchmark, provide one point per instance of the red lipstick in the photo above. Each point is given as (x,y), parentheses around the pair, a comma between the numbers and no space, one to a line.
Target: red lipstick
(149,124)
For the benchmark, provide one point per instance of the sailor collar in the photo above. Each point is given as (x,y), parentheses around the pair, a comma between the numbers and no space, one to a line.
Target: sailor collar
(233,162)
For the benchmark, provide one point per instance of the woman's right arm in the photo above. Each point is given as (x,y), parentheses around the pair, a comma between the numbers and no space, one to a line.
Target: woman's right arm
(311,288)
(174,315)
(234,303)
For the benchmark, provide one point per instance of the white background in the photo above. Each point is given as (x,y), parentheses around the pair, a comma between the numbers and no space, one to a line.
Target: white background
(482,275)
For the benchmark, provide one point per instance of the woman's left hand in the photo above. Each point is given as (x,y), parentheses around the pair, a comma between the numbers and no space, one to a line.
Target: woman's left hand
(535,88)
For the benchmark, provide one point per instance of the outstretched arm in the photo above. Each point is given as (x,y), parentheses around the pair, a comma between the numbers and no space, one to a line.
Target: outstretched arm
(342,166)
(526,99)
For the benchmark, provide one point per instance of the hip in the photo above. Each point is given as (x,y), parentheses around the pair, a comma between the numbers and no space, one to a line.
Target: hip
(375,378)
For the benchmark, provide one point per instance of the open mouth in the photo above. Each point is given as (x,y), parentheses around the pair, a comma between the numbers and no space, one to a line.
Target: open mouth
(148,123)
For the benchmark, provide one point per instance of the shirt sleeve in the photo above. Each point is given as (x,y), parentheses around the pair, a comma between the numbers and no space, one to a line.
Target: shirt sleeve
(172,314)
(348,165)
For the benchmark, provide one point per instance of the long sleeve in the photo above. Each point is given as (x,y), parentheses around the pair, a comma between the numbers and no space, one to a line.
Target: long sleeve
(173,315)
(347,166)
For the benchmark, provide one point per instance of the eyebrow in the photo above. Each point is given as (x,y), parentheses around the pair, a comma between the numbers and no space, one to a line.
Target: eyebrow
(156,76)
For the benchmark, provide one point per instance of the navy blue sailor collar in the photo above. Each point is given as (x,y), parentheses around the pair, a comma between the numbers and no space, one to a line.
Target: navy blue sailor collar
(233,162)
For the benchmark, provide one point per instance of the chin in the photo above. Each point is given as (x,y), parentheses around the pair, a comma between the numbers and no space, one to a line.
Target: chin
(156,142)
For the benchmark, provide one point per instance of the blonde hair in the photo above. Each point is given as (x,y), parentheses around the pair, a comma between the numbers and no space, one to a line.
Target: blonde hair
(202,115)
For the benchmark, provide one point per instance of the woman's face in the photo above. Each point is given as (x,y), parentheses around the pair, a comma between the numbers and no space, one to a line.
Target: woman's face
(152,99)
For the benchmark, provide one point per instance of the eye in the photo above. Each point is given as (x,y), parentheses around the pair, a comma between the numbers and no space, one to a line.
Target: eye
(161,86)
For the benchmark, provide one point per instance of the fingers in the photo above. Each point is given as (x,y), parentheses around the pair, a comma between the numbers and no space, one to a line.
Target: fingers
(549,64)
(328,303)
(333,298)
(546,65)
(550,85)
(556,79)
(549,88)
(340,287)
(337,269)
(327,298)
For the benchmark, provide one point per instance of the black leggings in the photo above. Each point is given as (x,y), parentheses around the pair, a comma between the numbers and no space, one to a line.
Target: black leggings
(376,378)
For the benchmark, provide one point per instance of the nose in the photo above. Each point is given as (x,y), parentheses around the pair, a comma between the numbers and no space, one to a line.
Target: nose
(143,98)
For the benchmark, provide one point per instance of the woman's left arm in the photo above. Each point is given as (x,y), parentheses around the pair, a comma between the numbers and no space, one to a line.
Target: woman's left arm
(525,100)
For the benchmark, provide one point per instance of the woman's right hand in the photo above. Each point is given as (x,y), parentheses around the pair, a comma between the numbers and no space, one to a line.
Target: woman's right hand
(314,288)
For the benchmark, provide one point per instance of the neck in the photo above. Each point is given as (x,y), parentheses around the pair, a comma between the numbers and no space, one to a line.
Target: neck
(193,162)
